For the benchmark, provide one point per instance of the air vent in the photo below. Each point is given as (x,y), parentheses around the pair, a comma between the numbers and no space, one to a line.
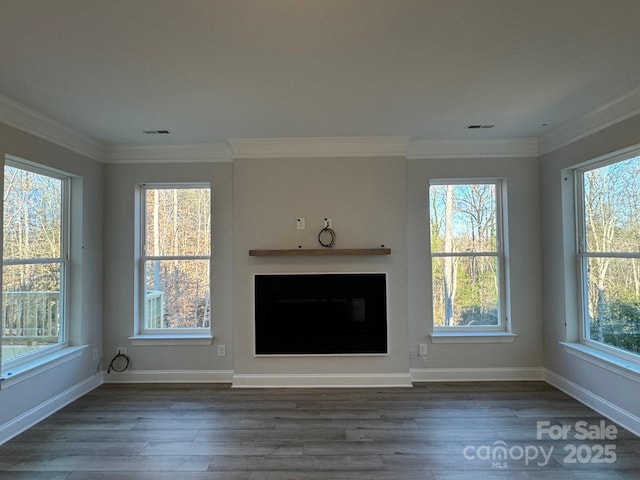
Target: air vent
(475,126)
(157,132)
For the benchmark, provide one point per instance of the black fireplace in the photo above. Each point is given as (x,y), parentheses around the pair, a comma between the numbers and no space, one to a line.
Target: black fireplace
(315,314)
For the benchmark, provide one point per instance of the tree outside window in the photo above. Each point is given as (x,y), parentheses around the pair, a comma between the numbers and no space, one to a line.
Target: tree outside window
(609,253)
(175,260)
(467,255)
(34,261)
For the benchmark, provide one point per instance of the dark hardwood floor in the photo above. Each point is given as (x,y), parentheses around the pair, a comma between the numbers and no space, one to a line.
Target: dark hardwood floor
(440,431)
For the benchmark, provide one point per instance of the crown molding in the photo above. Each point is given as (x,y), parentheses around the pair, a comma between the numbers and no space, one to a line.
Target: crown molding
(431,149)
(18,115)
(613,112)
(319,147)
(324,147)
(24,118)
(171,153)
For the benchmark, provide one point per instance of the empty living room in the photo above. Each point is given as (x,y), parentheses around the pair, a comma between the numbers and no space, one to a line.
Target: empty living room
(320,239)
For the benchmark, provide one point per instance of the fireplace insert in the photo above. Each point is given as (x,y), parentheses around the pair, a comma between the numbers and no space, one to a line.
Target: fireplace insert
(316,314)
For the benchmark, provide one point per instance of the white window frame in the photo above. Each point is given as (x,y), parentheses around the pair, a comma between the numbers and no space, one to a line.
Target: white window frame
(583,256)
(504,323)
(64,261)
(141,333)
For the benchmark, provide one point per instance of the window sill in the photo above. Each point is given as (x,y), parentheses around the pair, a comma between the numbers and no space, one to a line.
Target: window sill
(37,366)
(609,362)
(472,337)
(172,339)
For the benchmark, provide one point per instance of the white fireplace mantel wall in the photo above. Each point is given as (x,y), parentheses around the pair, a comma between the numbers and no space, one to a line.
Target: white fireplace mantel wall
(366,200)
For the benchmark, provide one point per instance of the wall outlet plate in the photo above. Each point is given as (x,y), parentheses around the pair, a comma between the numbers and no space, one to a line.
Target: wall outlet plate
(300,223)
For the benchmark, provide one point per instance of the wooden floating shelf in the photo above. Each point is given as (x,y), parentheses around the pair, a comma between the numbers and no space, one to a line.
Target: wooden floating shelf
(319,252)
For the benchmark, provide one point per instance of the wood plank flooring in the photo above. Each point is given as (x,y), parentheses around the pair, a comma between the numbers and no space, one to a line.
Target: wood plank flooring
(440,431)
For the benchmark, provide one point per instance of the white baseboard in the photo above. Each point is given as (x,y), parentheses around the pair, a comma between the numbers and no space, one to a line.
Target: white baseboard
(477,374)
(45,409)
(170,376)
(337,380)
(601,405)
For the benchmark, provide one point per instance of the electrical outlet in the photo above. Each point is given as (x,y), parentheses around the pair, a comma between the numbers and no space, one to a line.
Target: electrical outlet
(327,223)
(94,354)
(300,223)
(121,350)
(423,349)
(222,350)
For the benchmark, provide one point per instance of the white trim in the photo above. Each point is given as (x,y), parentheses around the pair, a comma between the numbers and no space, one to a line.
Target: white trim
(477,374)
(12,375)
(613,364)
(472,337)
(601,405)
(517,147)
(329,380)
(170,376)
(319,147)
(38,413)
(171,153)
(171,339)
(22,117)
(609,114)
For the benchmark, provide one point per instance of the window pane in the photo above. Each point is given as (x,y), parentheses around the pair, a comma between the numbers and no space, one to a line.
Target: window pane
(612,207)
(32,215)
(31,308)
(177,294)
(613,302)
(463,218)
(178,222)
(465,291)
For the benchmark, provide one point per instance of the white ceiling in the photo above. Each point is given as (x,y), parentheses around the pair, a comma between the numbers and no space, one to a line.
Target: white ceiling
(212,70)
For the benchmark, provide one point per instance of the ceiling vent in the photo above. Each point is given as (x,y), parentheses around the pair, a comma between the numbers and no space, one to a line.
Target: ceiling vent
(157,132)
(475,126)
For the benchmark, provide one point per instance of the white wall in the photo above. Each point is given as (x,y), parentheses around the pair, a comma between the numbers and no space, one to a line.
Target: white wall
(366,200)
(372,201)
(185,362)
(28,400)
(525,294)
(609,392)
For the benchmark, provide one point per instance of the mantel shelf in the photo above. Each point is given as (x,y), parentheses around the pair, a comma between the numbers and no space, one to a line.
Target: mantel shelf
(318,252)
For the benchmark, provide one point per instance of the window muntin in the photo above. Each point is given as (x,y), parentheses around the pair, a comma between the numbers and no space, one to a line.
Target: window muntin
(175,259)
(609,254)
(467,256)
(35,246)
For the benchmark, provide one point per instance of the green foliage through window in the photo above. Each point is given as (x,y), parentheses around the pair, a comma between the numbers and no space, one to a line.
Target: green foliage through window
(609,249)
(466,256)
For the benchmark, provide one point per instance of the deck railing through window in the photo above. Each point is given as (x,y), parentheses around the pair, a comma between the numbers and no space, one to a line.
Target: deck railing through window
(31,317)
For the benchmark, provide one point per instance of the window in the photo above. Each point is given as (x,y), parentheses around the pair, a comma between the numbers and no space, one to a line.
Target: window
(35,242)
(467,256)
(608,248)
(175,259)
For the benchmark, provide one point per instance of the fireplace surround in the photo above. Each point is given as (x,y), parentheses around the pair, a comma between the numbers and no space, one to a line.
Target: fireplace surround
(320,314)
